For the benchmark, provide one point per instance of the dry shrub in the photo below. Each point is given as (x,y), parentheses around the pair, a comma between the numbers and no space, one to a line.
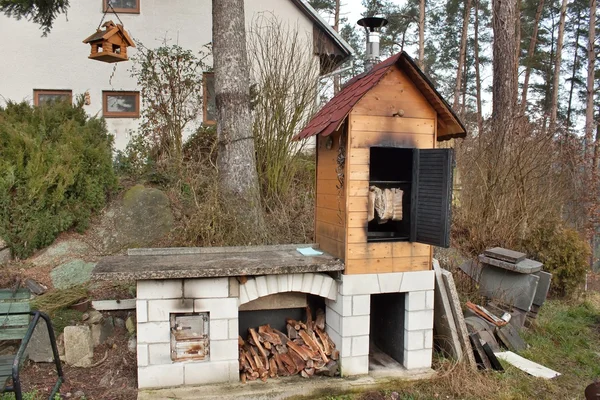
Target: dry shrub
(512,183)
(59,298)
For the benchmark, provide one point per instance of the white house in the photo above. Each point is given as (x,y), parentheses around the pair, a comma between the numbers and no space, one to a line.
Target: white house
(36,68)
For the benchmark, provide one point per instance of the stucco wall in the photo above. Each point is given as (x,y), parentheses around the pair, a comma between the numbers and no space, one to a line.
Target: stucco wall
(59,61)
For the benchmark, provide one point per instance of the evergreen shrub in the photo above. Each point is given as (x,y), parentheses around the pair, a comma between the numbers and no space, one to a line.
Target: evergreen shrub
(55,172)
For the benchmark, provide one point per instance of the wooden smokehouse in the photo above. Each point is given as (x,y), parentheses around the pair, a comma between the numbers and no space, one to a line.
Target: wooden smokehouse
(384,190)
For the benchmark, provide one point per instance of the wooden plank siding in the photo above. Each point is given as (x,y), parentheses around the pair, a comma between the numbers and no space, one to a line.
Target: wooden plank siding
(330,203)
(372,123)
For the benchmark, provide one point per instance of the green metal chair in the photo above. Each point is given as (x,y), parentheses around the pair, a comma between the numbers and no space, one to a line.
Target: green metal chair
(16,324)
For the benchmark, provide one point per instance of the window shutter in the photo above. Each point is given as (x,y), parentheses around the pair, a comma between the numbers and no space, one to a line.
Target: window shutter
(431,196)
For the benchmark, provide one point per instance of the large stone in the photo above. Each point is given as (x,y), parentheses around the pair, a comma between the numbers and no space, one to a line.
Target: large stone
(508,287)
(79,347)
(39,348)
(526,266)
(102,331)
(62,251)
(500,253)
(71,274)
(5,256)
(143,217)
(543,287)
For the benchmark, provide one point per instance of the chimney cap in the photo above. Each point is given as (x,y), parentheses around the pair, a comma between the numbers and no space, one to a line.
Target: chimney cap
(373,24)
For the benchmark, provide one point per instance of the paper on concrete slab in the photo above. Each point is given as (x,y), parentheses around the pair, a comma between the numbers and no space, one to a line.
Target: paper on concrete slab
(309,251)
(459,318)
(446,334)
(526,365)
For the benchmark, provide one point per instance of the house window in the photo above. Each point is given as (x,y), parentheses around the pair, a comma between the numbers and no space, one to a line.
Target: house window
(120,104)
(41,97)
(209,105)
(122,6)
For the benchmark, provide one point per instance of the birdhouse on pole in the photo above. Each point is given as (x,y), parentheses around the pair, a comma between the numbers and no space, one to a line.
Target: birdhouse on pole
(110,45)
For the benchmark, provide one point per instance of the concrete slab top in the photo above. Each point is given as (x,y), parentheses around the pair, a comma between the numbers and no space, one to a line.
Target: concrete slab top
(214,262)
(505,254)
(526,266)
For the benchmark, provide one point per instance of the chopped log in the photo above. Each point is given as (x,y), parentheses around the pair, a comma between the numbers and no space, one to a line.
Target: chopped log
(319,364)
(282,337)
(281,349)
(312,344)
(320,348)
(310,364)
(298,361)
(241,342)
(310,371)
(264,328)
(295,324)
(299,341)
(304,374)
(272,368)
(256,358)
(260,348)
(281,369)
(320,321)
(252,376)
(243,377)
(324,340)
(267,345)
(289,363)
(291,332)
(309,319)
(330,369)
(250,360)
(335,355)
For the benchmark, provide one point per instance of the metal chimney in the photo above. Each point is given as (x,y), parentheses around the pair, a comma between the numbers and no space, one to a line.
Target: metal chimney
(372,27)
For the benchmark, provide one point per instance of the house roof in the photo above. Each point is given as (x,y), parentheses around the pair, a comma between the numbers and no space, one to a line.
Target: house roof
(313,15)
(111,29)
(333,114)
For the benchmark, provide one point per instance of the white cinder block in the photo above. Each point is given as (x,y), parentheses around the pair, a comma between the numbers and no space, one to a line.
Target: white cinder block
(207,372)
(428,335)
(429,296)
(361,304)
(234,330)
(317,283)
(219,329)
(243,295)
(282,283)
(223,350)
(251,289)
(351,366)
(206,288)
(225,308)
(297,282)
(418,320)
(359,284)
(159,353)
(307,281)
(160,289)
(272,284)
(326,286)
(355,326)
(333,320)
(142,355)
(234,287)
(418,280)
(159,310)
(414,359)
(261,286)
(360,345)
(141,311)
(153,332)
(234,371)
(343,306)
(415,301)
(414,340)
(391,282)
(158,376)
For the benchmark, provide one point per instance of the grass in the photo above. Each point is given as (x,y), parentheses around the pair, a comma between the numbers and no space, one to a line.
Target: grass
(566,338)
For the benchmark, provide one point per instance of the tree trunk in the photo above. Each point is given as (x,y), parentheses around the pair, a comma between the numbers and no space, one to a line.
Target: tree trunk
(422,34)
(477,71)
(236,160)
(589,109)
(530,54)
(518,46)
(573,74)
(462,56)
(557,62)
(504,95)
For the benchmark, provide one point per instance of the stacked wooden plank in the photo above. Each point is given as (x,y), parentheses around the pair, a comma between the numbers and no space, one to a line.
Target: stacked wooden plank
(304,349)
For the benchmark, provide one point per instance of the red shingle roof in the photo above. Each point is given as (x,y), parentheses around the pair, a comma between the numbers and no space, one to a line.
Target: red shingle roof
(331,116)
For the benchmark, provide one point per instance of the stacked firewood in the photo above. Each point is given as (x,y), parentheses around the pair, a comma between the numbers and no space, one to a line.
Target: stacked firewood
(304,349)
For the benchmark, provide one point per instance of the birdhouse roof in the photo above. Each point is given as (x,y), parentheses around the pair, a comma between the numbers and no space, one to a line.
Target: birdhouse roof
(333,114)
(111,30)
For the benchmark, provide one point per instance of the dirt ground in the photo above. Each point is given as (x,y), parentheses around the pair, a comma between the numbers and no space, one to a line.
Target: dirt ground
(115,378)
